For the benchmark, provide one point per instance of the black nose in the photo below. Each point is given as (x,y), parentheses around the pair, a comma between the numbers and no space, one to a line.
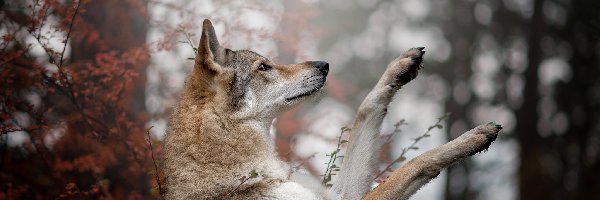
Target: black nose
(323,67)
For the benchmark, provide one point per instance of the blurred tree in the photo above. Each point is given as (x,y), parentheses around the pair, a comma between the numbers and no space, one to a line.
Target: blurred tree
(79,112)
(458,72)
(579,99)
(120,28)
(532,181)
(74,83)
(558,124)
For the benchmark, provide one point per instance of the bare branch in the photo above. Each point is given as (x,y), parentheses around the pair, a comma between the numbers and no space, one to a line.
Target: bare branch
(10,129)
(333,156)
(156,176)
(62,53)
(413,146)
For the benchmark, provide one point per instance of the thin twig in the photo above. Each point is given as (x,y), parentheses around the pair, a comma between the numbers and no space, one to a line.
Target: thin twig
(412,146)
(396,130)
(8,129)
(332,158)
(156,176)
(62,54)
(244,179)
(188,38)
(303,161)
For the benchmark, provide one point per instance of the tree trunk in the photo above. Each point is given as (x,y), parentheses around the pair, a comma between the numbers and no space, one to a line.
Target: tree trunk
(533,183)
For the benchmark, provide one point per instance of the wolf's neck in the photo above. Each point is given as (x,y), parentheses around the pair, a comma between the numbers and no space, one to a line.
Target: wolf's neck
(260,125)
(231,124)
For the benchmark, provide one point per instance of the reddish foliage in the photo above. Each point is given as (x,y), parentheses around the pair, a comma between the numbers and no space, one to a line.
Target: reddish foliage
(85,128)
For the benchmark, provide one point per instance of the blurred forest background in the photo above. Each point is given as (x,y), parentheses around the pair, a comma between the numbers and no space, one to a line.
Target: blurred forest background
(83,81)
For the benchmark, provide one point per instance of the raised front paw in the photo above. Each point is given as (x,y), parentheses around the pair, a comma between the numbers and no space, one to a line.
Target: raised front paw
(481,137)
(405,68)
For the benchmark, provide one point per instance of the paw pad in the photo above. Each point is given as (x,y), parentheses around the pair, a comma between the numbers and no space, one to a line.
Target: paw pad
(411,71)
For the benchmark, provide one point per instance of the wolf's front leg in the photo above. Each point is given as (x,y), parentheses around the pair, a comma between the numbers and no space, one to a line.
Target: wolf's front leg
(360,159)
(404,182)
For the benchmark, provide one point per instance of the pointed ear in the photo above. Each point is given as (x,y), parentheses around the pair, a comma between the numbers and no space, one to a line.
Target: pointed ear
(210,53)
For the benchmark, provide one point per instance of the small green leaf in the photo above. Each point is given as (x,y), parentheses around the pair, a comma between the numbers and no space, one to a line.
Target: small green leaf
(253,174)
(343,141)
(445,116)
(401,159)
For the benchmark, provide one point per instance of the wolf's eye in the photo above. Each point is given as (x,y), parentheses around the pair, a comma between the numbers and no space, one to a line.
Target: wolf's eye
(264,67)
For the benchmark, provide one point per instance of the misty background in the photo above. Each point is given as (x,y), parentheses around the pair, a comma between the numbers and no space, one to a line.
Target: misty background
(530,65)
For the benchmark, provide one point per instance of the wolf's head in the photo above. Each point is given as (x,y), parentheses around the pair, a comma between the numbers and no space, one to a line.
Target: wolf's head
(247,84)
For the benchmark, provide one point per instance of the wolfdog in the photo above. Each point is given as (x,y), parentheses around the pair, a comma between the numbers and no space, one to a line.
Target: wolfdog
(218,144)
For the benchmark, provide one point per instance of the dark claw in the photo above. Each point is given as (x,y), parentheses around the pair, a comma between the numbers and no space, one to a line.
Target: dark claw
(420,48)
(498,126)
(417,59)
